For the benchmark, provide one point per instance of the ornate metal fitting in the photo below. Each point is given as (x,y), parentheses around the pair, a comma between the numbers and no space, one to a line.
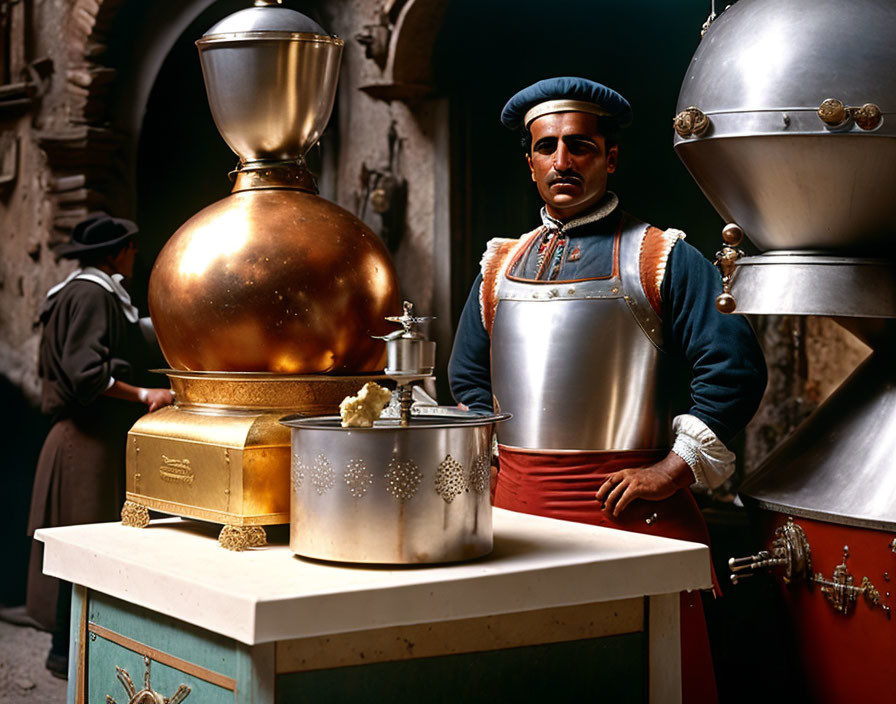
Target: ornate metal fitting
(732,234)
(407,320)
(147,695)
(278,174)
(726,260)
(375,40)
(867,117)
(691,122)
(712,18)
(841,591)
(835,114)
(480,474)
(449,481)
(789,549)
(239,538)
(385,190)
(134,515)
(709,20)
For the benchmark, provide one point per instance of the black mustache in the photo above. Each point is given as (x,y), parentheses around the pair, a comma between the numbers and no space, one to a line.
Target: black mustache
(565,176)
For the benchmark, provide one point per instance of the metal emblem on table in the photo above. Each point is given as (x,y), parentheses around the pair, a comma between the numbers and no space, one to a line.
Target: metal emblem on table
(147,695)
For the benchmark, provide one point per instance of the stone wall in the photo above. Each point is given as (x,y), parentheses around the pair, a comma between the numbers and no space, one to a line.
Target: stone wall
(27,268)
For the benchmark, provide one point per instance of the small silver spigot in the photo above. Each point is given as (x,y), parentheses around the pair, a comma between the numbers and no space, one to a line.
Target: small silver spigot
(789,549)
(410,356)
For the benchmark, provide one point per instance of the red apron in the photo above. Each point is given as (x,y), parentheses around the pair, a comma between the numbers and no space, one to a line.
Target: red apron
(563,486)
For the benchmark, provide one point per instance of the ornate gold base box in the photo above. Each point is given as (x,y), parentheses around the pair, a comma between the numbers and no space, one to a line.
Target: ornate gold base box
(220,454)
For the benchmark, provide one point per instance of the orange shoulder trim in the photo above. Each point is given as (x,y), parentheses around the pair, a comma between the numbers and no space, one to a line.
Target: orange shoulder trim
(499,253)
(655,249)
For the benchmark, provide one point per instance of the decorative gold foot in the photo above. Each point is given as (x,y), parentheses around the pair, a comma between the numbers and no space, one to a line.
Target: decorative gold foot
(241,537)
(134,515)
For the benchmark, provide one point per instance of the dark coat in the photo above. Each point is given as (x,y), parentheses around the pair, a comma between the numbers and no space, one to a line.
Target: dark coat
(80,473)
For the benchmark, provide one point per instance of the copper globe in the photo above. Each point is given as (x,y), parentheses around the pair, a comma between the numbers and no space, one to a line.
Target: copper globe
(273,280)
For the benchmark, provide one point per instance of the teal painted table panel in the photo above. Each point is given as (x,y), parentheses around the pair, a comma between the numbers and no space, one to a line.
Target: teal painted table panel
(217,669)
(604,669)
(115,634)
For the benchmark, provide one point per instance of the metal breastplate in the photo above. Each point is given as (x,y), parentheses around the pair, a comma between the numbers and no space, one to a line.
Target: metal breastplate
(580,364)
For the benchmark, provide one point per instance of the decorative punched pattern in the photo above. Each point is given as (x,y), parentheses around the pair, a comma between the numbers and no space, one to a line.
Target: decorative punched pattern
(403,478)
(299,470)
(449,479)
(322,475)
(357,478)
(479,474)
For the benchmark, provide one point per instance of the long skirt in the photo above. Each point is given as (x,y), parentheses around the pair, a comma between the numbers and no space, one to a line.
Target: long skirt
(563,486)
(79,479)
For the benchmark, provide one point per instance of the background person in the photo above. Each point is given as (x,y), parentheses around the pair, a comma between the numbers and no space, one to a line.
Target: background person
(93,364)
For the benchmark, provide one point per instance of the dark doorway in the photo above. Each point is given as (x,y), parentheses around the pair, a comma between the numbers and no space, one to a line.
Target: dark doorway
(487,51)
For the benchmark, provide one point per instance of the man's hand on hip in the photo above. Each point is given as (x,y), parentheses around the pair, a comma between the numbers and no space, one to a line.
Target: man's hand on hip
(654,483)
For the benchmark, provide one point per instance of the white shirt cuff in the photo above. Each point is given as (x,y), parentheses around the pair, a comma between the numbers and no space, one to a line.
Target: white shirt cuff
(110,384)
(706,455)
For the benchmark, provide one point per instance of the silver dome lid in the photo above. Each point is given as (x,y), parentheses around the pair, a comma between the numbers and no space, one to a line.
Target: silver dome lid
(266,17)
(772,55)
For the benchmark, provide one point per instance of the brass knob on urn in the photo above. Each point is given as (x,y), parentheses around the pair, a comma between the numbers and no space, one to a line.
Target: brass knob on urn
(833,112)
(691,122)
(725,303)
(868,117)
(732,234)
(726,260)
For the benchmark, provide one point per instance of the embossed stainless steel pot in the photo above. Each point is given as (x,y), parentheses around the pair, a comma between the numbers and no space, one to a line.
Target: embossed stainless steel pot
(391,494)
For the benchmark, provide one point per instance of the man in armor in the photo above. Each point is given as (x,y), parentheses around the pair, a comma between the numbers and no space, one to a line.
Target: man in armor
(583,328)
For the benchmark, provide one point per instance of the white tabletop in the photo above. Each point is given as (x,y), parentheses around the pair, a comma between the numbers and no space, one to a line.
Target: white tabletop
(176,567)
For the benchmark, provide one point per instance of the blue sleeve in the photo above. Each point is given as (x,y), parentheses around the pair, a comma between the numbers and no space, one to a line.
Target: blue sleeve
(470,368)
(726,362)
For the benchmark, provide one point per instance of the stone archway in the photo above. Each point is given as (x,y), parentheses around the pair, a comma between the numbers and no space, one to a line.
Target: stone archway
(114,55)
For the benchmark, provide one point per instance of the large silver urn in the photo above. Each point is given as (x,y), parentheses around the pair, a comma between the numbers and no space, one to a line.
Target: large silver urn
(787,121)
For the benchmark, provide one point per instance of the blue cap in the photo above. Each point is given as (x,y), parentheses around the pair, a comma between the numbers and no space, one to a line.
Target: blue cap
(566,94)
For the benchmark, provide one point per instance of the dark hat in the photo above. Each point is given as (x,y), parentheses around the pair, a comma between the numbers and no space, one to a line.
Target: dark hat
(566,94)
(97,233)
